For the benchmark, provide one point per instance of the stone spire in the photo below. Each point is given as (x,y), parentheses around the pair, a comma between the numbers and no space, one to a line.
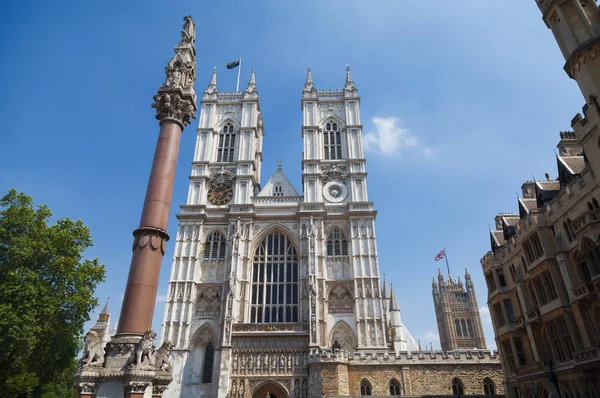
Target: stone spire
(212,86)
(349,86)
(394,306)
(309,86)
(251,89)
(468,281)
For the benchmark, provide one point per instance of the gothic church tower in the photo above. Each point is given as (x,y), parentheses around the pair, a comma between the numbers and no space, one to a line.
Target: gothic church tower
(457,313)
(264,278)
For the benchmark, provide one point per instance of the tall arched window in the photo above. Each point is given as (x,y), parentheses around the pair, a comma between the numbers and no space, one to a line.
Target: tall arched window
(464,327)
(365,387)
(458,387)
(457,327)
(213,265)
(395,388)
(274,281)
(567,231)
(226,147)
(489,388)
(337,244)
(332,140)
(470,327)
(209,356)
(215,246)
(338,263)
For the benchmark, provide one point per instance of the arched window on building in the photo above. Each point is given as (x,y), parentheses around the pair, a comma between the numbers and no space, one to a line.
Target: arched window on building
(332,140)
(489,388)
(590,253)
(209,355)
(274,281)
(277,190)
(365,387)
(457,327)
(464,328)
(213,264)
(395,388)
(226,147)
(215,246)
(336,346)
(458,387)
(470,327)
(338,263)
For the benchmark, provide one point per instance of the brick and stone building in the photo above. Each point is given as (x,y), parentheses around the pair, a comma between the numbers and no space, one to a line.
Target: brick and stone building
(457,313)
(543,270)
(279,292)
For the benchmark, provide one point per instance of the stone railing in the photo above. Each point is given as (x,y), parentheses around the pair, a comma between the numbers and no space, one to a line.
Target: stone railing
(583,292)
(529,369)
(230,96)
(361,206)
(533,315)
(587,355)
(270,328)
(277,199)
(587,218)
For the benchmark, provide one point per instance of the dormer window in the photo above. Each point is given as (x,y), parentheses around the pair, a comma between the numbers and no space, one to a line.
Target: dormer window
(277,190)
(332,140)
(226,144)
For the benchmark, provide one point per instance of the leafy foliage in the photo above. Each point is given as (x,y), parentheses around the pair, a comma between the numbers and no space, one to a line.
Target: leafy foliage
(46,295)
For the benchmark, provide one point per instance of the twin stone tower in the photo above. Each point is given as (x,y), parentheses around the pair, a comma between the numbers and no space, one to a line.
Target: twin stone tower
(271,292)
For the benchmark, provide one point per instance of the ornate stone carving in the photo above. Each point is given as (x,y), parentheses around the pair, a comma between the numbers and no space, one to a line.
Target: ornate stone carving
(158,390)
(93,354)
(334,173)
(138,387)
(340,301)
(162,357)
(142,356)
(174,108)
(152,237)
(87,388)
(208,303)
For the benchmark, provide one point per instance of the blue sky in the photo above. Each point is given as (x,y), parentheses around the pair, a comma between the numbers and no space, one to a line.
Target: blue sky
(471,97)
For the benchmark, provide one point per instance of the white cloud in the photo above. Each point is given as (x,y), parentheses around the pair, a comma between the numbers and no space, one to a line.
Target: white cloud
(161,298)
(389,138)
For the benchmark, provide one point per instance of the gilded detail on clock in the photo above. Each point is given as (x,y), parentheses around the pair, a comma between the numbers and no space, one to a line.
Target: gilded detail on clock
(220,194)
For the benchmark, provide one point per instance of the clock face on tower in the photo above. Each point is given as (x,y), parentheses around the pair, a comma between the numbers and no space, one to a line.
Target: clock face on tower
(220,194)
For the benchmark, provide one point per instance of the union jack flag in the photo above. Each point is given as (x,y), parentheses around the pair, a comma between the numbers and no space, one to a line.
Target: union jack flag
(440,255)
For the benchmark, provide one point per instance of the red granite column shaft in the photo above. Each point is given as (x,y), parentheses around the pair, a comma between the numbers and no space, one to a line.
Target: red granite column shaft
(148,250)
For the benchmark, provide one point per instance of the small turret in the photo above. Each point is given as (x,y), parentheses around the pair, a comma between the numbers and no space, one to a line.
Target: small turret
(251,88)
(211,90)
(460,284)
(349,86)
(468,281)
(309,86)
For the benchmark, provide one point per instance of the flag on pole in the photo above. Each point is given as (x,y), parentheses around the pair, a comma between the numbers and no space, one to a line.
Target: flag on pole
(440,255)
(233,64)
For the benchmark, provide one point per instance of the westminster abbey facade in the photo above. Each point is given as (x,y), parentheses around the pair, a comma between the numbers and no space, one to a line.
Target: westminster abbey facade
(278,292)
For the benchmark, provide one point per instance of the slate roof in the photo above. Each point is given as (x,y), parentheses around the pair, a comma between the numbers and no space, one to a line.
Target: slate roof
(575,164)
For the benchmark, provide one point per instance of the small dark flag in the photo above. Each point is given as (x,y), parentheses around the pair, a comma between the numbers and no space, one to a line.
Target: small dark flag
(233,64)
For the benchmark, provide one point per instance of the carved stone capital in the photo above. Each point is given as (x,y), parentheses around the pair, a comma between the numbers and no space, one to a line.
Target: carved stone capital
(152,238)
(172,107)
(157,391)
(137,386)
(87,388)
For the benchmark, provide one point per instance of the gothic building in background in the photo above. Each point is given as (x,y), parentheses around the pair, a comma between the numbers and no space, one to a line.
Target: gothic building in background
(276,291)
(457,313)
(543,270)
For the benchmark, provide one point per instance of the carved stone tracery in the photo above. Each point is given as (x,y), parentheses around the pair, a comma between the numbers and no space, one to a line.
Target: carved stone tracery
(340,301)
(208,303)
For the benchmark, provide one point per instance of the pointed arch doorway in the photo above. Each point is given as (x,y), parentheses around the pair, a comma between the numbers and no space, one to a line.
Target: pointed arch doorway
(271,387)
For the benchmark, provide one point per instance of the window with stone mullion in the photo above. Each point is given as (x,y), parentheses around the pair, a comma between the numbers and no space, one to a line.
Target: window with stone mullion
(226,147)
(275,281)
(332,140)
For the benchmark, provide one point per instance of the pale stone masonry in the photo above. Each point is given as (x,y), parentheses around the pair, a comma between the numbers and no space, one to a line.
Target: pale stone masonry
(543,270)
(279,292)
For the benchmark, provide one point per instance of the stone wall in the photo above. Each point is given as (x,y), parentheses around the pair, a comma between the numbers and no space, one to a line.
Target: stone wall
(426,379)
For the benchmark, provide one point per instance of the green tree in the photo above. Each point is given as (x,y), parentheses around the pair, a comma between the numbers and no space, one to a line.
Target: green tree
(46,295)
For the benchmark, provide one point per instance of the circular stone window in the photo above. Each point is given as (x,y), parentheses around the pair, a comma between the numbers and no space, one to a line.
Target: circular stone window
(335,191)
